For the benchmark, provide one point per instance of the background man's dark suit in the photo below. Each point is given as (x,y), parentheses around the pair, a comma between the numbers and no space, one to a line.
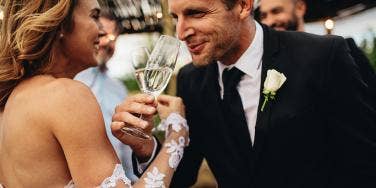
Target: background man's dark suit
(364,66)
(319,132)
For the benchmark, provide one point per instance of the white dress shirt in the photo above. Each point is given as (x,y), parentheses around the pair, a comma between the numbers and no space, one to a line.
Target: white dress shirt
(249,86)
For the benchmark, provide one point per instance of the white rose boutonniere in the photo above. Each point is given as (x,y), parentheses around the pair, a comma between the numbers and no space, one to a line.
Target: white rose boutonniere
(274,80)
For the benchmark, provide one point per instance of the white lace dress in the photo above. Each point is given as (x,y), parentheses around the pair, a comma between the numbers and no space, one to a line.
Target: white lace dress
(117,175)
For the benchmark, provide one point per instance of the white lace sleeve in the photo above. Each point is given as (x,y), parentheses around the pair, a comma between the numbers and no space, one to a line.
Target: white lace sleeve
(176,121)
(175,148)
(110,182)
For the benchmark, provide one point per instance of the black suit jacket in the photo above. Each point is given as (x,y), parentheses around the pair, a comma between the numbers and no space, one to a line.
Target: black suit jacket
(320,131)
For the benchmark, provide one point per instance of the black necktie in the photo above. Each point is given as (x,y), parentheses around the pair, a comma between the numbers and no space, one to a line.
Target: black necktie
(236,136)
(231,97)
(233,112)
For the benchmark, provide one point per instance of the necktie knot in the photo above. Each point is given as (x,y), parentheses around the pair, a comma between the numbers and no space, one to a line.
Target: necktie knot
(230,79)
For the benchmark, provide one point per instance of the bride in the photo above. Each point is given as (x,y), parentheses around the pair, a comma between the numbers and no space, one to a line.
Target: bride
(51,128)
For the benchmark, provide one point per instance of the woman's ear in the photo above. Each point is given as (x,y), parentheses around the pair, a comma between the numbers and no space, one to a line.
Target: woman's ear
(246,7)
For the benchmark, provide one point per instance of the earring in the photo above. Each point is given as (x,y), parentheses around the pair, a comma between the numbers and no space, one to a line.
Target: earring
(61,35)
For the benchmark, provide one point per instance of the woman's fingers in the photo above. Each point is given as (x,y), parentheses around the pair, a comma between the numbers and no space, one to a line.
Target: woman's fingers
(139,103)
(130,120)
(166,99)
(170,104)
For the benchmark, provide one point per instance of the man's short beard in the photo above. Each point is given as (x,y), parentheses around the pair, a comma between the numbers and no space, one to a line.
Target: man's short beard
(206,61)
(102,67)
(102,64)
(292,25)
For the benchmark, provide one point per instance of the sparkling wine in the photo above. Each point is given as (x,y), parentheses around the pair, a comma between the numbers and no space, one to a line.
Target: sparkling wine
(139,74)
(155,80)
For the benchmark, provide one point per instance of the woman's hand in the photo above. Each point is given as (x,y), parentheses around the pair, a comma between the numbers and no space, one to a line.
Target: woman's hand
(169,104)
(127,114)
(172,111)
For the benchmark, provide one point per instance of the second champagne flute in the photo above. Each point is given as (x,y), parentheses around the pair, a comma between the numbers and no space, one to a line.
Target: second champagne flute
(157,72)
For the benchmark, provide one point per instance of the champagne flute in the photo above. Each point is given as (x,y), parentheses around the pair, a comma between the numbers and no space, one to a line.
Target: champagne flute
(140,56)
(154,77)
(160,65)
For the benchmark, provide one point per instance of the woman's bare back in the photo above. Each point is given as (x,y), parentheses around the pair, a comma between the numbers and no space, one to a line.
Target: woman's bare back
(29,152)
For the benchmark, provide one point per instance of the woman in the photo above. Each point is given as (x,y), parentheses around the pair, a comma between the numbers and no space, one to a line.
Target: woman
(51,128)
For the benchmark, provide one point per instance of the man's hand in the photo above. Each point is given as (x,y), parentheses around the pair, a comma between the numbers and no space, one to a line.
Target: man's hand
(127,114)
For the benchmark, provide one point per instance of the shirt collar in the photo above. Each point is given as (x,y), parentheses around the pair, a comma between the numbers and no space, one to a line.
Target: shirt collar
(250,61)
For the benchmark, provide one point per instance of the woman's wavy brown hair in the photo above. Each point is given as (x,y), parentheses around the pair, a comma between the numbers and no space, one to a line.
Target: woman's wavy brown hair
(27,34)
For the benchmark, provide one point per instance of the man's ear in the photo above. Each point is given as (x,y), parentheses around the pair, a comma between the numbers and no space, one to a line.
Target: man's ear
(246,7)
(300,8)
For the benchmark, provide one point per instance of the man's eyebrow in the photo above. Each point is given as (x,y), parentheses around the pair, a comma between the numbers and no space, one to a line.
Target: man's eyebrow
(173,15)
(95,10)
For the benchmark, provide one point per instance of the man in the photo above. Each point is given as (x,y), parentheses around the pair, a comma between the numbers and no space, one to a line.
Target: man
(283,14)
(288,15)
(109,93)
(319,131)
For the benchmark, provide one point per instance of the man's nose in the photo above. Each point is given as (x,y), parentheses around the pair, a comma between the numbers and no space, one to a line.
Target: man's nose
(102,33)
(184,29)
(268,20)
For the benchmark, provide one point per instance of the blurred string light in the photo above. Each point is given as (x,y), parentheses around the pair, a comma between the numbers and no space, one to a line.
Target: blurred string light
(329,26)
(138,15)
(1,14)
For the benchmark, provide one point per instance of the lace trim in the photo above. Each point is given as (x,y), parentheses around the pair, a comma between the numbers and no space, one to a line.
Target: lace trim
(117,174)
(176,151)
(154,179)
(176,121)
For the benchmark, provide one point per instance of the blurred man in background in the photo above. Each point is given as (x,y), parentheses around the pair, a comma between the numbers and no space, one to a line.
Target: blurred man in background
(283,14)
(288,15)
(109,93)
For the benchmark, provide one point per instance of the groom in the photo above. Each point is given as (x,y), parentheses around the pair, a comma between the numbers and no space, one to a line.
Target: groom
(319,131)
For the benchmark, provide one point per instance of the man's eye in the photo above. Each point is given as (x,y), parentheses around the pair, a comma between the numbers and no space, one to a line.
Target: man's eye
(196,14)
(95,16)
(262,16)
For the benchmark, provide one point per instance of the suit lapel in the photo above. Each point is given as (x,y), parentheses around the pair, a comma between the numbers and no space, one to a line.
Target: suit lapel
(209,91)
(271,49)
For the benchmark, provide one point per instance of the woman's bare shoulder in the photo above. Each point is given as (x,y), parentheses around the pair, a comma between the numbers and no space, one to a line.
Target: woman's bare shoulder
(70,97)
(55,99)
(63,90)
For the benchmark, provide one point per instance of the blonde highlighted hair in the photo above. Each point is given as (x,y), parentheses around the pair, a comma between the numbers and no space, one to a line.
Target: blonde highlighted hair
(28,31)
